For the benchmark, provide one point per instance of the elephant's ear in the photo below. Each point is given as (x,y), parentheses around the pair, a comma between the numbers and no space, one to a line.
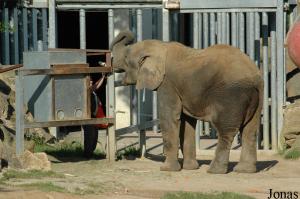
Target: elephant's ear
(151,72)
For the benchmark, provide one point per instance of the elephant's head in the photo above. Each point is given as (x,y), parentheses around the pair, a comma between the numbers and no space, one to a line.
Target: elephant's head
(142,62)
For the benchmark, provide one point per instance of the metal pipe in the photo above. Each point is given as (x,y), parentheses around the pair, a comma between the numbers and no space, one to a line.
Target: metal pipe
(219,28)
(154,93)
(200,31)
(273,86)
(82,27)
(257,40)
(250,38)
(223,40)
(110,103)
(205,30)
(212,29)
(280,64)
(198,135)
(6,49)
(25,29)
(20,113)
(195,30)
(165,25)
(52,23)
(242,32)
(44,28)
(16,36)
(266,139)
(142,133)
(34,29)
(227,28)
(234,29)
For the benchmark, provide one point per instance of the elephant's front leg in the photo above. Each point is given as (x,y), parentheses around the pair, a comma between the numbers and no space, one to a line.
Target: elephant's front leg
(169,105)
(187,142)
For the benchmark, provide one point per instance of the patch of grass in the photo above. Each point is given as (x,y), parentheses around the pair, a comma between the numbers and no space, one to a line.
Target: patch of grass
(293,153)
(74,149)
(128,153)
(190,195)
(44,186)
(32,174)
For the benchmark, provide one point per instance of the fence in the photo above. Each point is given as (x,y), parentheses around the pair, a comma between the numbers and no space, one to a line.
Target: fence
(22,29)
(256,27)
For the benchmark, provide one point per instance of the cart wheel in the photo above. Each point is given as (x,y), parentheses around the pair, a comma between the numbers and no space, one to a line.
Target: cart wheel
(90,140)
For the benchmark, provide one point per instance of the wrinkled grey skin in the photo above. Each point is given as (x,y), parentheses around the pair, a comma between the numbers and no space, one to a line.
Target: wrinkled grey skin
(219,84)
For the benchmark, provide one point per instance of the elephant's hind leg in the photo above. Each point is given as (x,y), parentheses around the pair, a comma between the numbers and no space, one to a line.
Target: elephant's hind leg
(187,142)
(248,157)
(219,164)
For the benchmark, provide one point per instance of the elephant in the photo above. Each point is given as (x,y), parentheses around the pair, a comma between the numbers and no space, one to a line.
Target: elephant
(219,84)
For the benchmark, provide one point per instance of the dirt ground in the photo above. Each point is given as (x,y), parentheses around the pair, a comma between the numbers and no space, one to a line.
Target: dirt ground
(141,178)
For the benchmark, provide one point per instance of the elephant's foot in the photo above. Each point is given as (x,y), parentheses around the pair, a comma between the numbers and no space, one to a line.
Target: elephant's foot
(245,168)
(190,164)
(216,168)
(171,165)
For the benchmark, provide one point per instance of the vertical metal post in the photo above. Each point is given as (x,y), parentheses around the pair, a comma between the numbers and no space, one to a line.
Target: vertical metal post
(257,39)
(44,29)
(200,32)
(6,49)
(234,29)
(142,132)
(227,28)
(223,40)
(205,30)
(111,144)
(212,29)
(266,139)
(34,28)
(16,36)
(219,28)
(20,113)
(52,24)
(280,64)
(273,86)
(175,26)
(82,27)
(154,93)
(250,37)
(196,45)
(25,29)
(165,25)
(242,32)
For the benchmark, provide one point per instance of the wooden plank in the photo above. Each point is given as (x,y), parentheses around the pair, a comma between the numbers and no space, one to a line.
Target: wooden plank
(69,65)
(57,123)
(6,68)
(67,71)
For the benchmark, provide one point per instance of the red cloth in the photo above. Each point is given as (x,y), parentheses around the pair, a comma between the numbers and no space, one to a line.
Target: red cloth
(100,114)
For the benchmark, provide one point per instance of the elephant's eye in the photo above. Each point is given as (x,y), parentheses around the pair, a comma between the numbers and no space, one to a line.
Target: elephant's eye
(142,60)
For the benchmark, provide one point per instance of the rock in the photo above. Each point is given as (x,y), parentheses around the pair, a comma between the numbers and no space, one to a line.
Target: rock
(32,161)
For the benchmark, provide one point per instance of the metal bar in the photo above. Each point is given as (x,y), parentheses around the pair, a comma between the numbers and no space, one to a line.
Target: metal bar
(212,29)
(52,23)
(25,29)
(195,30)
(191,4)
(6,49)
(154,93)
(16,36)
(242,32)
(34,29)
(223,21)
(200,31)
(227,28)
(111,96)
(229,10)
(82,28)
(219,28)
(205,30)
(142,133)
(273,86)
(197,135)
(58,123)
(44,28)
(280,65)
(20,113)
(257,40)
(266,139)
(165,25)
(234,30)
(103,6)
(251,31)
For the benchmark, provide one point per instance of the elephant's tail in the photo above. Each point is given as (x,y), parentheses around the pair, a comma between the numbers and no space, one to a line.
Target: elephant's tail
(255,106)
